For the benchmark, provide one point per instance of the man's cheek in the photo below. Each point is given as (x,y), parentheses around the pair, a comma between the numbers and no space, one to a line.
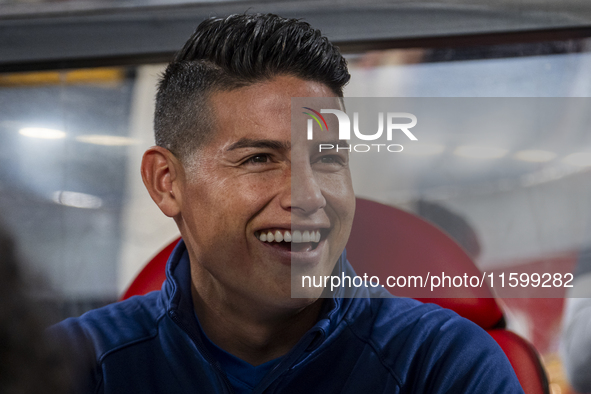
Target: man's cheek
(339,193)
(338,179)
(257,186)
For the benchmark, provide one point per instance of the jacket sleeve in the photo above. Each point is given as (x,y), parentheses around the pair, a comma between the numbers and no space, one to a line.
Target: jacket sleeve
(462,358)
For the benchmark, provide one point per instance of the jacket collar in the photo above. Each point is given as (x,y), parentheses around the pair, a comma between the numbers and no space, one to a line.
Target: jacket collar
(177,297)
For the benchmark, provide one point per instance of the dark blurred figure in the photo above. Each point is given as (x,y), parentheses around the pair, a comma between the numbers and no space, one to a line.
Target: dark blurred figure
(28,363)
(575,342)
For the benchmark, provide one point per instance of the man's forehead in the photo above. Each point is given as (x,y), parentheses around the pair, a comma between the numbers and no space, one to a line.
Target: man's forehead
(276,144)
(273,97)
(260,115)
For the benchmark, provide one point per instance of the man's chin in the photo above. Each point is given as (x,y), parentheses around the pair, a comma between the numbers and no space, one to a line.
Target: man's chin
(301,289)
(299,303)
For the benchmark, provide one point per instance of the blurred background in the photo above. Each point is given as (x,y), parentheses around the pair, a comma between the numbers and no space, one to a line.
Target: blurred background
(77,86)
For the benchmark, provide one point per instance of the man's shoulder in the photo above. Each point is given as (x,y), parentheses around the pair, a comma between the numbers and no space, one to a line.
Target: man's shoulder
(388,317)
(113,326)
(417,324)
(413,340)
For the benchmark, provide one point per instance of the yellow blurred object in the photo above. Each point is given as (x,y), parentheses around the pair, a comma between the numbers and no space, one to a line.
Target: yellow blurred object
(73,77)
(556,376)
(555,388)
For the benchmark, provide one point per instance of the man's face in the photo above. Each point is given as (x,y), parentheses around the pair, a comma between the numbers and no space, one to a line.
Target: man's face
(253,178)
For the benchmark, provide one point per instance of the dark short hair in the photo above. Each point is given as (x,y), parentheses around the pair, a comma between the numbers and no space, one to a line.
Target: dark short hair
(228,53)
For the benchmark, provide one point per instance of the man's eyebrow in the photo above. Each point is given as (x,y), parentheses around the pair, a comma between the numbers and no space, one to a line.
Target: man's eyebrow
(339,143)
(256,143)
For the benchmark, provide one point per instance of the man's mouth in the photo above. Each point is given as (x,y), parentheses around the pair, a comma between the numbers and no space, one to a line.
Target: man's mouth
(296,240)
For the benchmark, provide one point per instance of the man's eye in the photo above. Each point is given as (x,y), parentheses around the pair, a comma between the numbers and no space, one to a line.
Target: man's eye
(257,159)
(330,163)
(330,159)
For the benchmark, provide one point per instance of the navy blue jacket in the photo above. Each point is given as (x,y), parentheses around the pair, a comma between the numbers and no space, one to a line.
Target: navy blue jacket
(152,344)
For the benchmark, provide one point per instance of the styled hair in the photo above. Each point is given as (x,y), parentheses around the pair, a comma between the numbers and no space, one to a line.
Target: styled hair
(228,53)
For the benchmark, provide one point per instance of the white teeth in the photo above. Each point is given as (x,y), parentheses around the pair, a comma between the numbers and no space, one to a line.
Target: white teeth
(306,236)
(296,236)
(278,236)
(287,236)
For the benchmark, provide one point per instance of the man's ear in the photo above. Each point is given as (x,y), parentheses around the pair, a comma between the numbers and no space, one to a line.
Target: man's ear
(162,175)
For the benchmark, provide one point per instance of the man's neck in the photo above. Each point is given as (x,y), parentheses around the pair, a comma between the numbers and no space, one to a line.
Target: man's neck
(247,333)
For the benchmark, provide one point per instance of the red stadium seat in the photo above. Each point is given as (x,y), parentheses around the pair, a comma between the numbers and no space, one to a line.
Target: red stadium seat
(524,359)
(388,241)
(382,235)
(152,275)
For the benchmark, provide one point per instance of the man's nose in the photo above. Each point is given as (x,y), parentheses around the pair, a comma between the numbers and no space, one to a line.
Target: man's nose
(305,194)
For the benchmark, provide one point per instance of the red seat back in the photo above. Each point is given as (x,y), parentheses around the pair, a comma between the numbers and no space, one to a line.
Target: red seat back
(386,241)
(525,361)
(152,275)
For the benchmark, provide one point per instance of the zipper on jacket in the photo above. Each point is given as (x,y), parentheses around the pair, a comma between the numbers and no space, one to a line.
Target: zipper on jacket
(285,364)
(203,351)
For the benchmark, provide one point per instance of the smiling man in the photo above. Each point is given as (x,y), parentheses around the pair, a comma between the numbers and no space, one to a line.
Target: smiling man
(239,216)
(252,202)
